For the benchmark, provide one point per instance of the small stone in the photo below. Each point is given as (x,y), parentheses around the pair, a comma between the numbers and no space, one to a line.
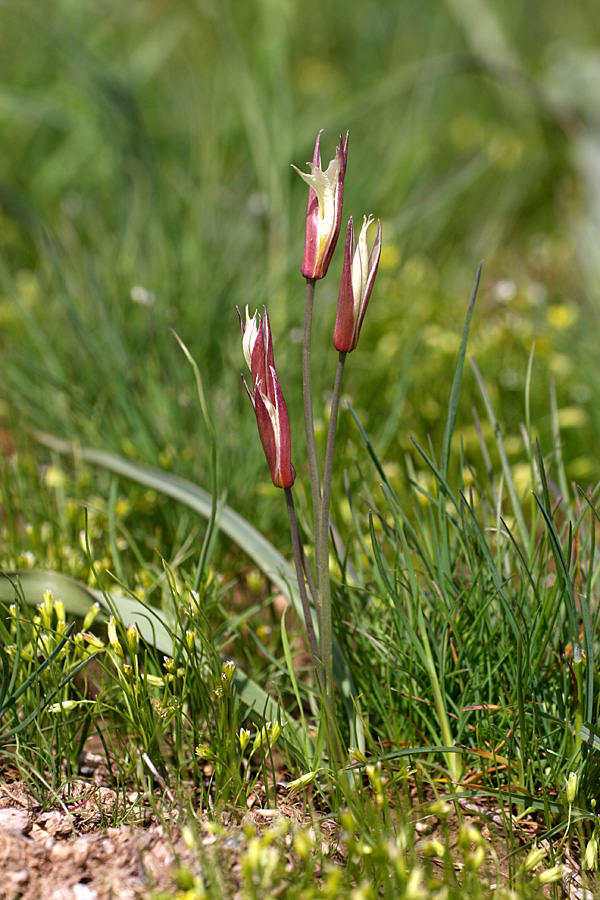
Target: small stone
(55,823)
(15,820)
(61,851)
(84,892)
(18,877)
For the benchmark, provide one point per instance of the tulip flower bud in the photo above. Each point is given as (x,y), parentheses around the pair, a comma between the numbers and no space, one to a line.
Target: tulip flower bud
(267,398)
(358,277)
(324,212)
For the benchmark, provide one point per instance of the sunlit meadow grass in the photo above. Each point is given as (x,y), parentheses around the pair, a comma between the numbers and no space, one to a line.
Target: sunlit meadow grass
(145,184)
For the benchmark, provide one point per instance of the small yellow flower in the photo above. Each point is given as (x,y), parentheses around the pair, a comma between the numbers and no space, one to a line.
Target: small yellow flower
(133,640)
(571,788)
(556,873)
(243,738)
(299,783)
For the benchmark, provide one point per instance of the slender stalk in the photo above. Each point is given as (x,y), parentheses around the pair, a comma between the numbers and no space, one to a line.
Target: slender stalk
(310,579)
(213,462)
(453,760)
(309,427)
(298,556)
(322,542)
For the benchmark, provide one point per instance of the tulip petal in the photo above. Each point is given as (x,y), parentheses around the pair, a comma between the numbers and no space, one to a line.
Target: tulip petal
(358,277)
(324,211)
(344,323)
(267,399)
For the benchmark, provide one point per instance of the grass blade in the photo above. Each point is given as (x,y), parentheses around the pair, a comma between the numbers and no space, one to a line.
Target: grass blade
(456,383)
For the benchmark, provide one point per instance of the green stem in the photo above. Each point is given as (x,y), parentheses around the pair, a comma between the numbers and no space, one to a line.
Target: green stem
(298,552)
(453,760)
(322,543)
(311,446)
(213,462)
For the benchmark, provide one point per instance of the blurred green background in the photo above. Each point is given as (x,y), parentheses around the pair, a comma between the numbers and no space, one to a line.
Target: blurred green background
(145,184)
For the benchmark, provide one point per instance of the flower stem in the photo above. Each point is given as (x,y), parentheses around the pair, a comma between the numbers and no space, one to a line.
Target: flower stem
(322,543)
(298,554)
(311,446)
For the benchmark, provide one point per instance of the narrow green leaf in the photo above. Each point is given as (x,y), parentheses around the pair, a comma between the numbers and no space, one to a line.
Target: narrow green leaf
(5,671)
(589,649)
(493,571)
(516,506)
(561,565)
(557,447)
(457,380)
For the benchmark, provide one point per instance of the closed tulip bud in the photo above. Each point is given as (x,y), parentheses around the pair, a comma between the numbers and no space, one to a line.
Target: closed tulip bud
(267,398)
(358,277)
(324,212)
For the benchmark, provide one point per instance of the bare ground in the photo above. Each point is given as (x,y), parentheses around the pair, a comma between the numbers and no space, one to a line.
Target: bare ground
(73,851)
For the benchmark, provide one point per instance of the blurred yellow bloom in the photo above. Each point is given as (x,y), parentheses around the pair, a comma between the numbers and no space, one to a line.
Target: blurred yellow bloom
(55,477)
(560,316)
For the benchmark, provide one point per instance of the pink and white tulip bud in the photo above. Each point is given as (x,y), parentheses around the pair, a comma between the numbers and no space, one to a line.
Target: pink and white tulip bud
(358,277)
(267,398)
(324,212)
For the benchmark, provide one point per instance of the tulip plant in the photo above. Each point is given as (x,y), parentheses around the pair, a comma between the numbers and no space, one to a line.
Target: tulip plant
(323,221)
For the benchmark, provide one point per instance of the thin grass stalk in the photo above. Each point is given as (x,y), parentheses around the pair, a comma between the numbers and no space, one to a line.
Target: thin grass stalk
(322,542)
(309,426)
(213,462)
